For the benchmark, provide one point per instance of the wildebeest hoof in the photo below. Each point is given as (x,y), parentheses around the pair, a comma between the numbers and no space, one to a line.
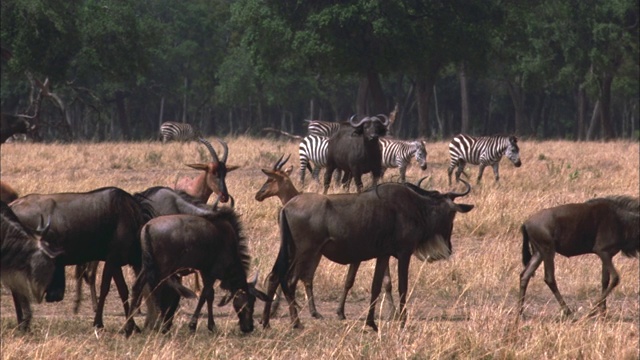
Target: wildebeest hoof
(372,325)
(298,325)
(192,327)
(317,315)
(341,315)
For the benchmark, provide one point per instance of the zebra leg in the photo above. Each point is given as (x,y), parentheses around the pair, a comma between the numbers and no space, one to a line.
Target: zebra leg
(495,171)
(461,165)
(480,171)
(403,173)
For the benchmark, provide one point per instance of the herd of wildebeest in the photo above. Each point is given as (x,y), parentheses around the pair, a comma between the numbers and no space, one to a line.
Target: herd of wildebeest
(166,233)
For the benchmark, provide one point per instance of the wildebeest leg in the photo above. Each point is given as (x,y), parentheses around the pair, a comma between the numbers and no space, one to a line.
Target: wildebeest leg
(550,280)
(107,274)
(123,291)
(348,284)
(525,276)
(495,171)
(136,296)
(610,280)
(387,286)
(169,314)
(207,290)
(211,325)
(327,178)
(403,284)
(88,272)
(23,311)
(357,178)
(480,171)
(381,264)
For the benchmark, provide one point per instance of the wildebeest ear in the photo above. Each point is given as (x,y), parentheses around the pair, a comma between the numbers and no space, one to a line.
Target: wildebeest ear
(48,250)
(463,208)
(202,167)
(232,167)
(225,299)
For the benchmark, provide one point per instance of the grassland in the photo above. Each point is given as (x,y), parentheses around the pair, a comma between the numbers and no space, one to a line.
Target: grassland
(463,308)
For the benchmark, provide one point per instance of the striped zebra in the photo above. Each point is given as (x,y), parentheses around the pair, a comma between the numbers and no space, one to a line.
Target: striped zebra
(313,149)
(322,128)
(483,151)
(398,154)
(171,130)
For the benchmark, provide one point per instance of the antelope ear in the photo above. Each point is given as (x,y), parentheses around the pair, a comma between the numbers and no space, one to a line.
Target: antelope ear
(232,167)
(289,170)
(202,167)
(268,172)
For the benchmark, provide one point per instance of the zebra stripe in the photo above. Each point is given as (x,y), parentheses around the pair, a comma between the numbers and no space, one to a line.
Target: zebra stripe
(322,128)
(398,154)
(483,151)
(176,131)
(313,149)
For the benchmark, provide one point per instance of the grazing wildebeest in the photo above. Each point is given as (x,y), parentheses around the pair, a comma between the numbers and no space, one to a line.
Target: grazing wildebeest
(356,150)
(11,125)
(99,225)
(279,184)
(601,226)
(7,194)
(212,179)
(391,219)
(212,245)
(27,263)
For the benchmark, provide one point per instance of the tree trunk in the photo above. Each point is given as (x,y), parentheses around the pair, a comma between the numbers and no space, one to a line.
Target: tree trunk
(605,106)
(581,103)
(594,120)
(424,91)
(184,100)
(464,99)
(517,97)
(122,115)
(370,99)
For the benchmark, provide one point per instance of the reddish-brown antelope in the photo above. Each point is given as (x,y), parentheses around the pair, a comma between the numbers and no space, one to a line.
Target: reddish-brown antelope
(212,178)
(7,194)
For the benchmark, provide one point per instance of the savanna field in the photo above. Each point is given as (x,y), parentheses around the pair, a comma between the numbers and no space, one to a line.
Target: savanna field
(461,308)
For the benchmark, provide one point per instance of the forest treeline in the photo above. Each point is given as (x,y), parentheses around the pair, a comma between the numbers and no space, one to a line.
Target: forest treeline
(102,70)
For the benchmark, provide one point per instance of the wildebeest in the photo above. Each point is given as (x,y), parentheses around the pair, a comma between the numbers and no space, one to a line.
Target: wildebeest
(212,179)
(7,194)
(356,150)
(103,224)
(27,263)
(279,184)
(391,219)
(601,226)
(11,125)
(212,245)
(163,201)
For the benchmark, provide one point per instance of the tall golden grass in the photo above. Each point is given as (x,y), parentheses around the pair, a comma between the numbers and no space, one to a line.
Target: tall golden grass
(460,308)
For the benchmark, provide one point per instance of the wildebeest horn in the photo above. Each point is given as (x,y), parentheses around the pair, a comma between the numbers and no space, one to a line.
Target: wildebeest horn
(43,229)
(420,181)
(453,195)
(280,162)
(254,279)
(385,123)
(233,201)
(358,123)
(212,151)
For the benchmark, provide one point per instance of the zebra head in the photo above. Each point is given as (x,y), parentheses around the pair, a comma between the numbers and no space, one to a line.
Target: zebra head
(513,151)
(420,153)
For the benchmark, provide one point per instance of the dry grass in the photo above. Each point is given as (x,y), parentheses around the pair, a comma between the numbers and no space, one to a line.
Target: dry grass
(461,308)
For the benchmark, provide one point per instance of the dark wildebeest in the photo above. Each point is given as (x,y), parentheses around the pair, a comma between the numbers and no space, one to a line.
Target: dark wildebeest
(356,150)
(100,225)
(212,179)
(7,194)
(27,263)
(11,125)
(212,245)
(602,226)
(391,219)
(163,201)
(279,184)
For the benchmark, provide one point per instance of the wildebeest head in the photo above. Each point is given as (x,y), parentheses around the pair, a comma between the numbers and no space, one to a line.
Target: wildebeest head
(370,127)
(27,258)
(12,124)
(513,151)
(244,303)
(442,212)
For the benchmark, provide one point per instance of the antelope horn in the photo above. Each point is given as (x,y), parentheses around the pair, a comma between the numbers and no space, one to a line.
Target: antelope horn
(358,123)
(212,151)
(281,163)
(453,195)
(226,150)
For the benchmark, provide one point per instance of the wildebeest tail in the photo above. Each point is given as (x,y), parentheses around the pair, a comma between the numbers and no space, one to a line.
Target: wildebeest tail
(526,250)
(281,267)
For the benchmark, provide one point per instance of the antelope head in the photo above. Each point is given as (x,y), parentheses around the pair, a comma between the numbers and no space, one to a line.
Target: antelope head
(278,183)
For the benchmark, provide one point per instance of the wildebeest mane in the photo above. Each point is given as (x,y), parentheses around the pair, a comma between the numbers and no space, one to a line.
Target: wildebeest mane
(11,221)
(148,193)
(15,239)
(229,215)
(627,209)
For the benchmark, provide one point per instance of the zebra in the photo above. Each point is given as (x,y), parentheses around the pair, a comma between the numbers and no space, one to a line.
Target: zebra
(398,153)
(483,151)
(313,149)
(322,128)
(171,130)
